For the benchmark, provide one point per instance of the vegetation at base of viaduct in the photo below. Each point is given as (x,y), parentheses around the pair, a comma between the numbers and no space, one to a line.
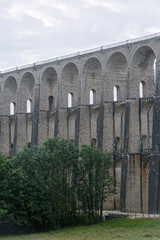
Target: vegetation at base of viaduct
(55,185)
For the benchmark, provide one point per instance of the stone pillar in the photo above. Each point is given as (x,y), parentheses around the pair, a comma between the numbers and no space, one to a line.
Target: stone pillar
(35,120)
(125,158)
(154,170)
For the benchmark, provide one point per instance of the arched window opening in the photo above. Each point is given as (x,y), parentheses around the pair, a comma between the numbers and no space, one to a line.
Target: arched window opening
(92,96)
(51,102)
(117,144)
(29,106)
(93,142)
(70,99)
(115,93)
(72,141)
(154,70)
(29,145)
(12,108)
(141,89)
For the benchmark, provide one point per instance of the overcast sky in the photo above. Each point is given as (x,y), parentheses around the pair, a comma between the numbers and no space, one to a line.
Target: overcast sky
(36,30)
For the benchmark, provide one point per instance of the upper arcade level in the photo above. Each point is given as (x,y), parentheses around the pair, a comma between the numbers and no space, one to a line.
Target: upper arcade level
(115,72)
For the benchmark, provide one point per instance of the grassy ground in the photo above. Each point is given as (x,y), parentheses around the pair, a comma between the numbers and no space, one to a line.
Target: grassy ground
(124,229)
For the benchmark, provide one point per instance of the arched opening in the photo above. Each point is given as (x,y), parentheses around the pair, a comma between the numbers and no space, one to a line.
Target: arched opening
(48,89)
(51,102)
(93,142)
(92,96)
(70,85)
(115,93)
(116,71)
(29,106)
(10,95)
(117,144)
(92,79)
(70,99)
(29,145)
(12,108)
(142,68)
(142,86)
(72,141)
(27,92)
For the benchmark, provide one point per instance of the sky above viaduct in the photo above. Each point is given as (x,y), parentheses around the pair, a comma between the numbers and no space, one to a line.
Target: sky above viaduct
(36,30)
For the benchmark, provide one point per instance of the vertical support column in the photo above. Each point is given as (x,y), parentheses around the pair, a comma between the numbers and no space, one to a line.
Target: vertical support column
(84,125)
(56,123)
(4,135)
(35,120)
(77,127)
(100,127)
(154,170)
(15,136)
(125,160)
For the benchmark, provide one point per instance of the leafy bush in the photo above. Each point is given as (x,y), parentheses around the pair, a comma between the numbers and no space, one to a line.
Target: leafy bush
(95,181)
(54,185)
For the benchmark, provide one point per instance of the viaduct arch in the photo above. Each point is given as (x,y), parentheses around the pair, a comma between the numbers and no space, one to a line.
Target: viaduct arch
(110,96)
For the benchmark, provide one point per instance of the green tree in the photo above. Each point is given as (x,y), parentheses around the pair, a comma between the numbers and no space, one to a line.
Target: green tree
(43,187)
(95,181)
(5,167)
(42,192)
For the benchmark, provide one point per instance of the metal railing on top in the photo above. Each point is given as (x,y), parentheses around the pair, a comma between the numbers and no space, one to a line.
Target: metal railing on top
(82,52)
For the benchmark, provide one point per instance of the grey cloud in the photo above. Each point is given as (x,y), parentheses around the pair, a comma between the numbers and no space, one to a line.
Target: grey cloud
(51,28)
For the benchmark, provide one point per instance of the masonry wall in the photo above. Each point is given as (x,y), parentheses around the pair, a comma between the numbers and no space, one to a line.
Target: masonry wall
(107,96)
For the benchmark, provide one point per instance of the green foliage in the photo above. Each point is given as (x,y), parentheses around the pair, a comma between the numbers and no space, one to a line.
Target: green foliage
(45,196)
(44,187)
(5,168)
(95,181)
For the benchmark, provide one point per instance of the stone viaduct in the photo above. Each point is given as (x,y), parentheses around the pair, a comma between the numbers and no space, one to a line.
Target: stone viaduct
(109,96)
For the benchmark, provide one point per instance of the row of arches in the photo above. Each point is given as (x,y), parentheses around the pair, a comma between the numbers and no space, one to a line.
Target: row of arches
(92,100)
(92,80)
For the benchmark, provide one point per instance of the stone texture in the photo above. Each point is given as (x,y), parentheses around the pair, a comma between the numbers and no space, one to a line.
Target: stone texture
(128,128)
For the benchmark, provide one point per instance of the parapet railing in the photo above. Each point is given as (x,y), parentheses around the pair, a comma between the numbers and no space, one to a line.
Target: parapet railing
(83,52)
